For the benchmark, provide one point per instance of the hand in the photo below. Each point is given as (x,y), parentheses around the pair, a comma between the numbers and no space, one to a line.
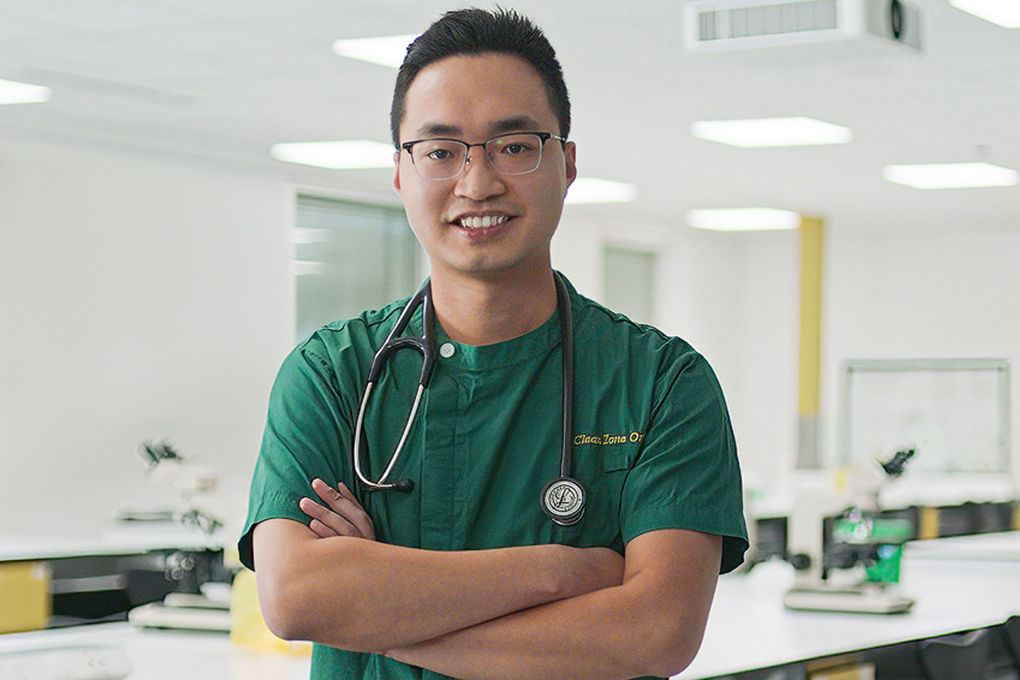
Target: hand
(339,513)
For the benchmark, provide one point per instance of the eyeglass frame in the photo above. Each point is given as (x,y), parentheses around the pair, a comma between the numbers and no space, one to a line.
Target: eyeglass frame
(542,136)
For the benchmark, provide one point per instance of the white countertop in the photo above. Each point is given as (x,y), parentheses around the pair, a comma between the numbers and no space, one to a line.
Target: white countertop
(749,628)
(120,539)
(168,655)
(973,583)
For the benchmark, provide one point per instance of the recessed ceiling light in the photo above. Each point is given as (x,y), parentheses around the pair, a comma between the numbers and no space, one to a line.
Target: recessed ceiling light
(351,154)
(13,92)
(951,175)
(593,190)
(762,132)
(388,50)
(1005,13)
(743,219)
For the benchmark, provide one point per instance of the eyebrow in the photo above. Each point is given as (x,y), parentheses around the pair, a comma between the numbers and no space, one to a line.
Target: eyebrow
(514,123)
(511,124)
(438,130)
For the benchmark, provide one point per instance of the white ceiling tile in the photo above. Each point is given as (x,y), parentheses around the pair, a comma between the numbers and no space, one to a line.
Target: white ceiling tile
(229,77)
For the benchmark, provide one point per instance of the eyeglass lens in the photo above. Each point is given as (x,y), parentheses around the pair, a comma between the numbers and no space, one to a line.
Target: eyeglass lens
(514,154)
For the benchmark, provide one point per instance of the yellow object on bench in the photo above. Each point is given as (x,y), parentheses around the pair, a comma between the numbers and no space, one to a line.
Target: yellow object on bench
(248,628)
(25,600)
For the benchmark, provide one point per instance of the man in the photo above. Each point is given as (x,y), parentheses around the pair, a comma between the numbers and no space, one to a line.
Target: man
(463,574)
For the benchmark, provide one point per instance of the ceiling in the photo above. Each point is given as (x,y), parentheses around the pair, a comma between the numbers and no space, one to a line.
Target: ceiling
(225,79)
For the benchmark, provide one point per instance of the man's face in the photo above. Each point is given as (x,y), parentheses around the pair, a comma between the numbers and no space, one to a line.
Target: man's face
(474,98)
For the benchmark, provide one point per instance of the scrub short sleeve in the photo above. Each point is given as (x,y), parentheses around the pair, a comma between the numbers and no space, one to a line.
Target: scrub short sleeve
(306,434)
(686,475)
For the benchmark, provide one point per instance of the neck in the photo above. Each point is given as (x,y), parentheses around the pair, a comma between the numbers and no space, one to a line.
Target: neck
(483,311)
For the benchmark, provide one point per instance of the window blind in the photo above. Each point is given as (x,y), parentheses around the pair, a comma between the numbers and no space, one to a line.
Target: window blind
(349,257)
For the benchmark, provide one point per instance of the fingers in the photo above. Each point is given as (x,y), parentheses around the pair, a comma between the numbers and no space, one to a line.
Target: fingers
(320,529)
(338,514)
(341,489)
(349,507)
(325,522)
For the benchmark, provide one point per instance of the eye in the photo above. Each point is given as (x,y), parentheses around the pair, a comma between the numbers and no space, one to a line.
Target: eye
(439,155)
(516,148)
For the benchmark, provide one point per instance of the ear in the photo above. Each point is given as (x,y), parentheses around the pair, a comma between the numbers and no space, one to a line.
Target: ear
(396,171)
(570,161)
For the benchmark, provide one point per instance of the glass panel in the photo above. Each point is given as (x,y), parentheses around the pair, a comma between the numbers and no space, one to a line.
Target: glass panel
(953,412)
(628,281)
(349,257)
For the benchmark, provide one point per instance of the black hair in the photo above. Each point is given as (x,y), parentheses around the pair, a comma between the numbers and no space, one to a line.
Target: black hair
(477,31)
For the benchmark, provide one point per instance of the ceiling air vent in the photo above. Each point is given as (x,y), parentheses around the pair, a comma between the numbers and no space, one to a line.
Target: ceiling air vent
(725,25)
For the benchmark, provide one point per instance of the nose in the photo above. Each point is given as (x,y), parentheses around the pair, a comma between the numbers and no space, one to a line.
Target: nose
(479,181)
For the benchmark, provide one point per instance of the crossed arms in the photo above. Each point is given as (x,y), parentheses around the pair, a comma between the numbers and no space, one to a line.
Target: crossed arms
(520,612)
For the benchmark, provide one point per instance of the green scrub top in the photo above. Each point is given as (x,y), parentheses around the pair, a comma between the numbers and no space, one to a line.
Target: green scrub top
(652,442)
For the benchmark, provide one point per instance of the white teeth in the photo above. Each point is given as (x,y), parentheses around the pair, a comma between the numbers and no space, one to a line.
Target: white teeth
(475,222)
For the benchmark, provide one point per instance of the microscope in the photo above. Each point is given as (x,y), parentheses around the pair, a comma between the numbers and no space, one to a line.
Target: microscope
(845,555)
(177,491)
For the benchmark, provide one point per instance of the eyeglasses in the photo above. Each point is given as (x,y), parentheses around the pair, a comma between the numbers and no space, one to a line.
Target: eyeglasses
(517,153)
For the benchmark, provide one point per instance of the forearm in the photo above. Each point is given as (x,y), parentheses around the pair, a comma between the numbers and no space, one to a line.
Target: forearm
(647,626)
(557,640)
(367,596)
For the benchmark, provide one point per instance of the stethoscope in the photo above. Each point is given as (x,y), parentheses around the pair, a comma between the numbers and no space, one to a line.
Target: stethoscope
(563,498)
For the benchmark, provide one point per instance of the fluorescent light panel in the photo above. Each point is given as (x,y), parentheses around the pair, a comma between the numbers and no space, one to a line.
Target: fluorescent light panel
(1005,13)
(951,175)
(593,190)
(351,154)
(743,219)
(309,267)
(13,92)
(765,132)
(387,50)
(305,235)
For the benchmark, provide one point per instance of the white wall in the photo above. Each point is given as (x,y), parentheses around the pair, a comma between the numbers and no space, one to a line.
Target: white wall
(141,297)
(734,297)
(889,291)
(920,293)
(146,296)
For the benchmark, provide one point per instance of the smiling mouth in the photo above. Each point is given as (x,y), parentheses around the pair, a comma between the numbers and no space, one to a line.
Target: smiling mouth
(482,222)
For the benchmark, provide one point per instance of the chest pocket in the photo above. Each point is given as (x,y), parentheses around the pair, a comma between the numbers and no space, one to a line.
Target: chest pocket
(603,472)
(616,460)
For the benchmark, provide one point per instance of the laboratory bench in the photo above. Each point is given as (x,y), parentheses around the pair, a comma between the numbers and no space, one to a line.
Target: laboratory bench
(93,579)
(960,584)
(769,530)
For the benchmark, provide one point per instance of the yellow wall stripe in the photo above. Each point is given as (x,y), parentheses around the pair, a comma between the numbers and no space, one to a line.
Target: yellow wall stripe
(810,314)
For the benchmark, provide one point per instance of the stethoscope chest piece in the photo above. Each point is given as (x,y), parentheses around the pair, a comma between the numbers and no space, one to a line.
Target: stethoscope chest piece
(563,500)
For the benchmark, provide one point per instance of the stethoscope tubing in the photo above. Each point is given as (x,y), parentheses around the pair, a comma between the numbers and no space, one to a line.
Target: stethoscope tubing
(381,484)
(426,345)
(567,347)
(563,499)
